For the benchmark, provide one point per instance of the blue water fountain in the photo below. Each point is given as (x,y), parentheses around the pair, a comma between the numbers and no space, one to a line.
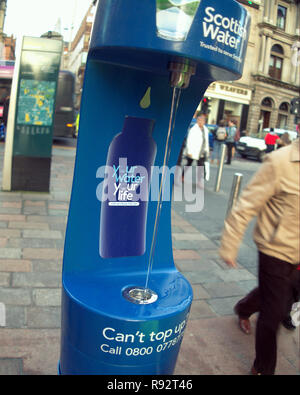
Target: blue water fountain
(124,304)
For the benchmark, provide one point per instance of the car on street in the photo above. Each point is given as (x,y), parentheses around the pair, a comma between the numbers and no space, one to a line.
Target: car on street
(249,146)
(254,146)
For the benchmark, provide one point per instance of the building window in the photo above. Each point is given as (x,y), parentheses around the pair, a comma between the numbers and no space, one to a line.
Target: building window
(282,115)
(281,121)
(284,107)
(276,62)
(267,102)
(265,113)
(281,17)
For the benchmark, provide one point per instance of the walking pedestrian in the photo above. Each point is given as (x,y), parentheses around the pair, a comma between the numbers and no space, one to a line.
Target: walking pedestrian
(230,142)
(197,145)
(220,135)
(270,140)
(273,197)
(237,137)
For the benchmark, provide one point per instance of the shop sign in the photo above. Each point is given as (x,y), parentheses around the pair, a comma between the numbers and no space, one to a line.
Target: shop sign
(229,92)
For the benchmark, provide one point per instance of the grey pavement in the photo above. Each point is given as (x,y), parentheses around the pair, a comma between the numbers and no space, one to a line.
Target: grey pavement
(32,230)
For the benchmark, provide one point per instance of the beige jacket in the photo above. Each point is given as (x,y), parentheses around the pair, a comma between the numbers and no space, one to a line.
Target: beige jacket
(273,196)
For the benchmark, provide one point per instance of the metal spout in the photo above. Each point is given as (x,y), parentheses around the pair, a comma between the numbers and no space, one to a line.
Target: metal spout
(181,74)
(140,295)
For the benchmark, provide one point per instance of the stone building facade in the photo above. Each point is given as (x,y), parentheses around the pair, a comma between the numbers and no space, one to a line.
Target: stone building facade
(76,55)
(271,77)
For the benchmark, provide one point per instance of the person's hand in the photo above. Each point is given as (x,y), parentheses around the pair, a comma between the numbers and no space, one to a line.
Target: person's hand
(231,263)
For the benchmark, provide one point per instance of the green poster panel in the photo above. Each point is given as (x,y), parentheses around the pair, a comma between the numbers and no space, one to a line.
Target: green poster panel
(39,68)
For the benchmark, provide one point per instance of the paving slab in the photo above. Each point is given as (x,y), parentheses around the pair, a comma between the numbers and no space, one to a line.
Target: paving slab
(216,346)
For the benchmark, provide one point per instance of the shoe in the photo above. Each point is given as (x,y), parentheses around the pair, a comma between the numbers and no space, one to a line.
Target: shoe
(254,372)
(244,323)
(288,324)
(245,326)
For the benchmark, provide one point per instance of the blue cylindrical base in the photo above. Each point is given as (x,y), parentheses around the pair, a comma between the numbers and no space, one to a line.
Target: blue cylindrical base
(142,340)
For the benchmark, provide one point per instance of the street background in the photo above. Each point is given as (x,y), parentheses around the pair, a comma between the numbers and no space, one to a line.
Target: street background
(32,229)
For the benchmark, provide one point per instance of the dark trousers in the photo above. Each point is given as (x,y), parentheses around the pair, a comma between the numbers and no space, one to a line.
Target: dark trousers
(270,148)
(200,162)
(229,152)
(277,282)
